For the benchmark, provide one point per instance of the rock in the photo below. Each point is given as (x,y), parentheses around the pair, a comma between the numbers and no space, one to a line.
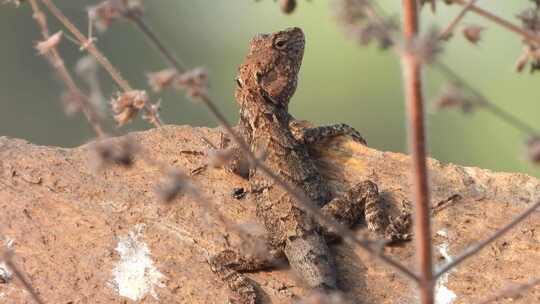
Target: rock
(86,236)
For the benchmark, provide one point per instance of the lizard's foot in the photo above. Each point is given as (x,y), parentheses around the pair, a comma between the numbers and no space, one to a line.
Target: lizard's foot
(229,265)
(349,207)
(363,200)
(398,229)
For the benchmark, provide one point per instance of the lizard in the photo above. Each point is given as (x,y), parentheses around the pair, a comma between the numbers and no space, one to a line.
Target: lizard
(266,82)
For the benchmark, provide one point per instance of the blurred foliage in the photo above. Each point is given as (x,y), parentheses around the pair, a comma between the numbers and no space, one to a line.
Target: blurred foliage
(340,81)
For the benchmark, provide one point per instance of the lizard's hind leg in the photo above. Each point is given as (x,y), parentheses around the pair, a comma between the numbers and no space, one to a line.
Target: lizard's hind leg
(229,265)
(363,200)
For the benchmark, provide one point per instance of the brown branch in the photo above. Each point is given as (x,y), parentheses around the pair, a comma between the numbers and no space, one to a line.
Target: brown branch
(92,49)
(55,60)
(473,249)
(412,73)
(448,32)
(527,35)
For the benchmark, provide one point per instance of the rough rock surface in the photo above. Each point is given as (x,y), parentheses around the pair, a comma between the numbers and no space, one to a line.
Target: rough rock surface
(86,236)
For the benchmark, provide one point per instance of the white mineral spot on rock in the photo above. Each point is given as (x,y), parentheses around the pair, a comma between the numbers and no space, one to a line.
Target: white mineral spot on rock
(135,275)
(443,295)
(443,233)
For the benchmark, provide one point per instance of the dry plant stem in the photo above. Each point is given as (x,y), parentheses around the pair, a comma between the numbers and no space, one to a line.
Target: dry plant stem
(472,250)
(447,33)
(412,73)
(302,200)
(27,286)
(54,58)
(529,36)
(149,33)
(512,292)
(92,49)
(485,103)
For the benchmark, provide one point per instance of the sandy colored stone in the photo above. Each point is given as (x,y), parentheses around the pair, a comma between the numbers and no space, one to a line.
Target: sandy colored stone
(77,232)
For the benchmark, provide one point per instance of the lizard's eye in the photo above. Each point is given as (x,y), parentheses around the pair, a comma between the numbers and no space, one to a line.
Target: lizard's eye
(280,43)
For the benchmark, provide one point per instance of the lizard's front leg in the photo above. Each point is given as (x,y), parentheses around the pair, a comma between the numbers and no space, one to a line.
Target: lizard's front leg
(230,266)
(363,200)
(305,133)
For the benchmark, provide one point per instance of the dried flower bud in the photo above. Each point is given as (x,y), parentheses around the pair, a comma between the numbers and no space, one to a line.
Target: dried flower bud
(127,105)
(194,82)
(151,113)
(533,149)
(355,18)
(287,6)
(104,13)
(174,183)
(473,33)
(161,79)
(431,2)
(87,69)
(427,47)
(52,42)
(453,96)
(530,19)
(523,59)
(109,152)
(73,102)
(17,3)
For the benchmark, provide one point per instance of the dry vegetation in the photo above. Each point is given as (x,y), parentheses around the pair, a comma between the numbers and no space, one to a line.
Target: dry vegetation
(362,20)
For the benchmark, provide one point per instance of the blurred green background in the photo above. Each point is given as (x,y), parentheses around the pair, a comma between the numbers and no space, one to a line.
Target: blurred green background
(340,80)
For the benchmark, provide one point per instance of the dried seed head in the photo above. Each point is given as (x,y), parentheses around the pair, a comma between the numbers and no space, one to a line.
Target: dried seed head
(533,149)
(175,182)
(73,102)
(194,82)
(427,46)
(355,18)
(87,69)
(127,105)
(114,152)
(473,33)
(17,3)
(52,42)
(453,96)
(161,79)
(151,113)
(287,6)
(530,19)
(103,14)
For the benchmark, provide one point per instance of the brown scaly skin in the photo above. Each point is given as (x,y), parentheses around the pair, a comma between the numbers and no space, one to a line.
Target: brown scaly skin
(266,81)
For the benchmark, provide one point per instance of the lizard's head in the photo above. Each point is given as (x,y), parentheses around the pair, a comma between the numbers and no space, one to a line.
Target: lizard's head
(273,63)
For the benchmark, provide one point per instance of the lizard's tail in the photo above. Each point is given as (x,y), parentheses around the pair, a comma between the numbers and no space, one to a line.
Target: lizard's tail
(310,258)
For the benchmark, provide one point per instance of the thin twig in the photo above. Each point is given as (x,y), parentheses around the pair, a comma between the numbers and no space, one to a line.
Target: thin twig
(473,249)
(92,49)
(528,35)
(485,103)
(412,78)
(303,202)
(448,32)
(54,58)
(149,33)
(512,291)
(7,257)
